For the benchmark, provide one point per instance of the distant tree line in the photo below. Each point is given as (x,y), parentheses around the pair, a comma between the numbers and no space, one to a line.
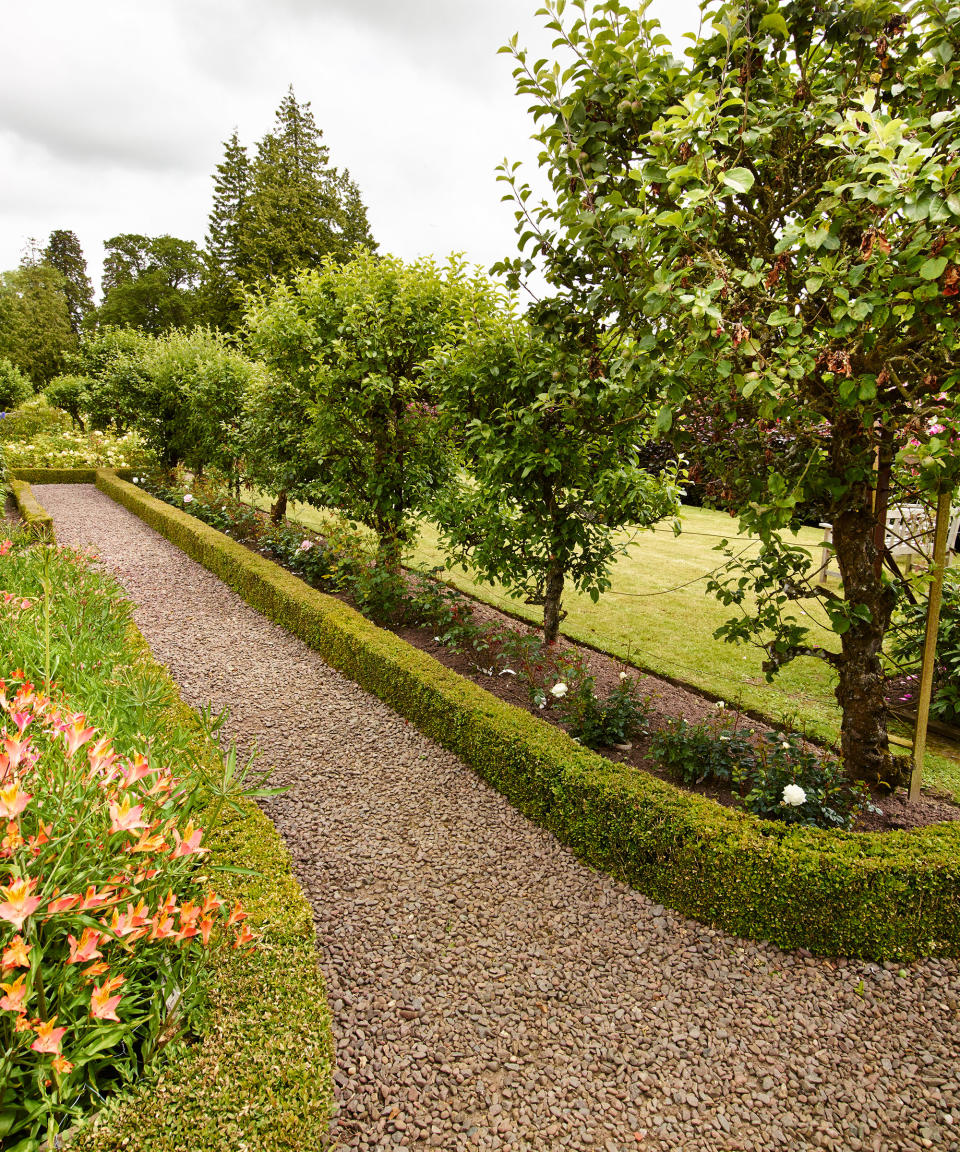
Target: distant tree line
(284,208)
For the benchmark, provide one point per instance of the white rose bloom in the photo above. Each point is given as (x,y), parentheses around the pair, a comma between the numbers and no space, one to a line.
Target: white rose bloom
(558,690)
(794,795)
(187,498)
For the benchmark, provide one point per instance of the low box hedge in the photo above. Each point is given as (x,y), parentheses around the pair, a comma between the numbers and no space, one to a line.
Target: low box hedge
(893,895)
(64,475)
(37,521)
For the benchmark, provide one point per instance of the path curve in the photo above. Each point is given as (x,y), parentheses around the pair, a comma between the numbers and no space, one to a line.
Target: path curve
(490,991)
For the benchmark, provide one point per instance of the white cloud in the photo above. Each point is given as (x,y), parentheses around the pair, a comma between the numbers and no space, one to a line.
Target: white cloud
(113,114)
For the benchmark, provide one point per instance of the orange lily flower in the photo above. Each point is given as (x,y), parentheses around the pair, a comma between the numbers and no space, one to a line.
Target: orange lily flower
(244,936)
(12,840)
(13,800)
(19,904)
(103,1006)
(76,735)
(86,948)
(190,842)
(206,927)
(93,898)
(62,1065)
(16,954)
(62,904)
(48,1038)
(236,915)
(124,817)
(15,994)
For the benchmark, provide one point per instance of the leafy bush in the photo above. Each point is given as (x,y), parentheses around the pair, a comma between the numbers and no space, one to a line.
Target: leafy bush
(31,419)
(790,783)
(600,723)
(15,387)
(907,649)
(778,778)
(70,394)
(102,925)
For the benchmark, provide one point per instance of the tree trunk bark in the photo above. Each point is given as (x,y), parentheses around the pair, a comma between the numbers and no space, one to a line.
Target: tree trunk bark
(389,550)
(863,732)
(552,598)
(279,508)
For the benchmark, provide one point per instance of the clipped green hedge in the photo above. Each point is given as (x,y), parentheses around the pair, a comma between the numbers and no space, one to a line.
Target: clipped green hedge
(63,475)
(894,895)
(37,521)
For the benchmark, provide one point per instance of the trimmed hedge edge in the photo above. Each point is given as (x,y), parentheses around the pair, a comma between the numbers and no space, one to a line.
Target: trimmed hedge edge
(38,521)
(877,896)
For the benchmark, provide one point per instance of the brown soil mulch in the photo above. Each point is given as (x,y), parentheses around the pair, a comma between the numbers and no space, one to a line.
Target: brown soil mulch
(667,701)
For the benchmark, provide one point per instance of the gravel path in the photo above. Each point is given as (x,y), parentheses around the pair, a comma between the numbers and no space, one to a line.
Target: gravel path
(488,990)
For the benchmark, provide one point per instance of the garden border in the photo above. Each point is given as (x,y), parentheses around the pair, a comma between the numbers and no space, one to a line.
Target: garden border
(894,895)
(263,1066)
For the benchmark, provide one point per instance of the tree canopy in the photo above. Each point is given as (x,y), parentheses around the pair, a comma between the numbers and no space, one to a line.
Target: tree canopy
(150,282)
(64,253)
(774,221)
(279,212)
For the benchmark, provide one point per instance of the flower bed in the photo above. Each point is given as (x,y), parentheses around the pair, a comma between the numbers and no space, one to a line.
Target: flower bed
(119,960)
(895,895)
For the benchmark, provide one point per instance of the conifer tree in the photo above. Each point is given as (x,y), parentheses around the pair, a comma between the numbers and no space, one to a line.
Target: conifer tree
(64,253)
(228,237)
(279,212)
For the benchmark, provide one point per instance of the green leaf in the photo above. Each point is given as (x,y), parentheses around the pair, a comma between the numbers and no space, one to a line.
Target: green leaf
(932,269)
(739,179)
(665,419)
(774,22)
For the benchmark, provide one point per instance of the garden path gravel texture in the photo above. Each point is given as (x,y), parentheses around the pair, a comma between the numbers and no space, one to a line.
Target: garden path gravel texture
(489,990)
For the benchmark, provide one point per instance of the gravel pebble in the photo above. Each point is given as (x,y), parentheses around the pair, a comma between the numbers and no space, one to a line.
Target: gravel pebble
(489,990)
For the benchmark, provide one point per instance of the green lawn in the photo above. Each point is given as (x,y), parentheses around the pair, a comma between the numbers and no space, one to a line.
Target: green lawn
(659,617)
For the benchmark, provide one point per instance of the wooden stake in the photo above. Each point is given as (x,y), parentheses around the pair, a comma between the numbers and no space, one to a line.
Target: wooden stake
(930,641)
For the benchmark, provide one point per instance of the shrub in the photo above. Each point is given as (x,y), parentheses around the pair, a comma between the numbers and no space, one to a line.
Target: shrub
(700,753)
(15,387)
(70,394)
(779,778)
(31,419)
(907,650)
(790,783)
(600,723)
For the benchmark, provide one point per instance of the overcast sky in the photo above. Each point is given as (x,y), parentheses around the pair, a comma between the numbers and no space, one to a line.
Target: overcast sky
(113,113)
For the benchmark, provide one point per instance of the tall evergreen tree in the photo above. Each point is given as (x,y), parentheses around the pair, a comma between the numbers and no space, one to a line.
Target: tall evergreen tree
(228,235)
(282,211)
(35,332)
(64,253)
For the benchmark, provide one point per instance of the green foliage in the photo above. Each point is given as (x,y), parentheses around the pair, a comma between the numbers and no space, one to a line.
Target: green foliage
(63,252)
(551,438)
(34,417)
(277,214)
(351,423)
(70,394)
(600,723)
(906,649)
(35,332)
(301,209)
(182,392)
(880,897)
(779,778)
(150,282)
(38,523)
(15,388)
(775,221)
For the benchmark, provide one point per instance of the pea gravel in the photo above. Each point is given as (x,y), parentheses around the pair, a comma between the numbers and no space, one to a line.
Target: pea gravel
(490,991)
